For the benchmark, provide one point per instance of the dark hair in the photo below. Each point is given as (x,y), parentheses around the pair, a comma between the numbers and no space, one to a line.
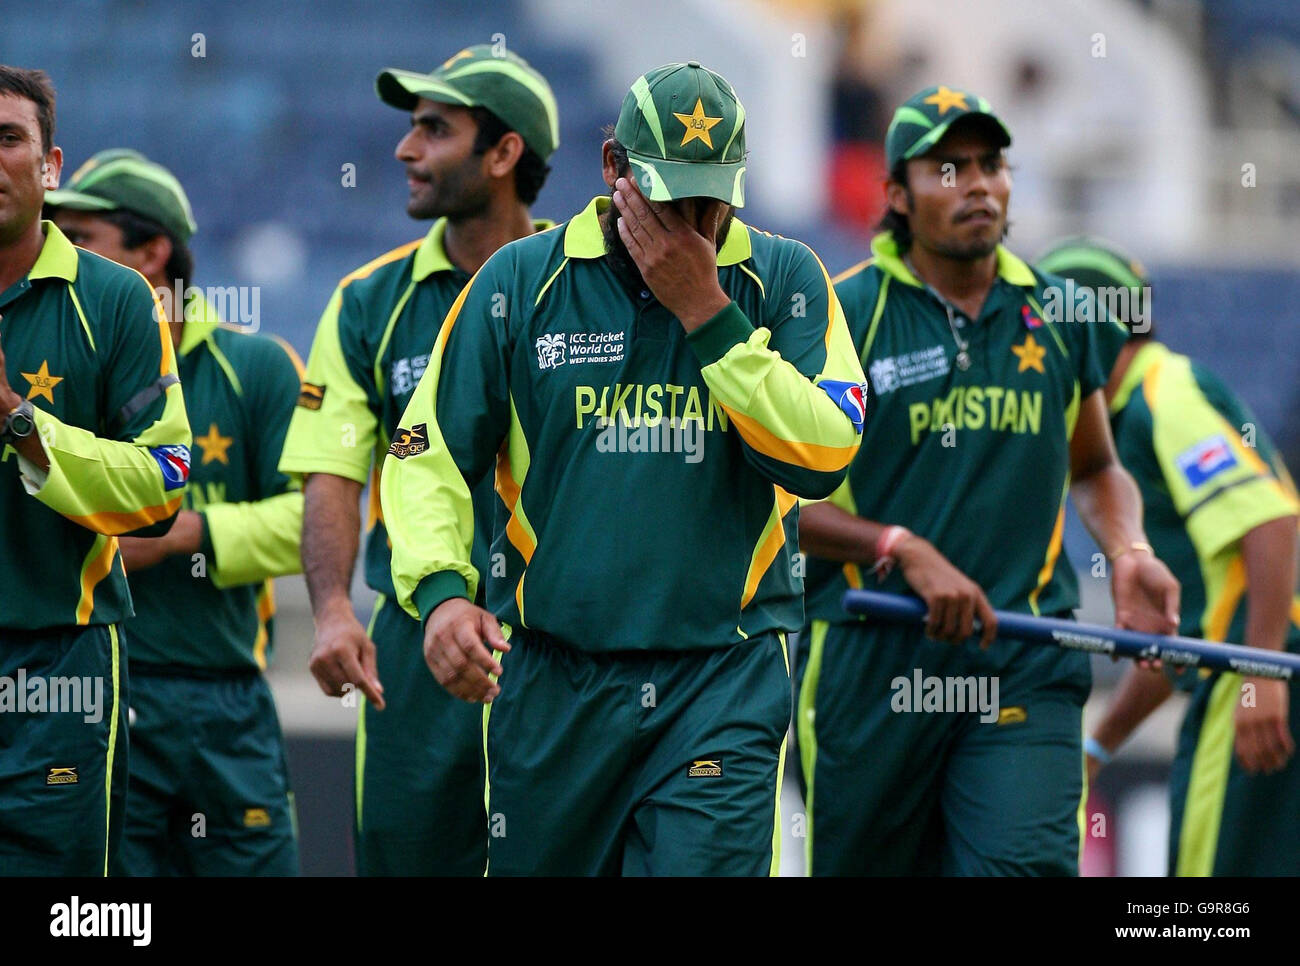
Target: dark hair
(530,169)
(892,221)
(137,229)
(34,86)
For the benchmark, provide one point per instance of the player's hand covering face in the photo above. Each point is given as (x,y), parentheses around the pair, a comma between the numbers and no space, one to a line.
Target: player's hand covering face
(675,247)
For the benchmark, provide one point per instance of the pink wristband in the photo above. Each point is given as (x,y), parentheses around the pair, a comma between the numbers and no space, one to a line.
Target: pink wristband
(886,544)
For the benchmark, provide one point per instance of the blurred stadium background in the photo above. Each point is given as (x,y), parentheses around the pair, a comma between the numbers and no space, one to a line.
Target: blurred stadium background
(1168,126)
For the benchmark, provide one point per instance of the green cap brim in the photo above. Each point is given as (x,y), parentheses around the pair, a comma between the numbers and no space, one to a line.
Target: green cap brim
(404,88)
(936,133)
(78,201)
(661,180)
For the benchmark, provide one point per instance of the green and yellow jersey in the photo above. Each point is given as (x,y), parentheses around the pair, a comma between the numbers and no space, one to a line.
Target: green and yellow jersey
(214,610)
(1209,474)
(647,478)
(975,460)
(371,348)
(87,343)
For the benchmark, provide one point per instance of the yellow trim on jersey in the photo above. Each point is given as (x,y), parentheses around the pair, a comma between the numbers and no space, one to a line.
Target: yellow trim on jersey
(1053,551)
(770,542)
(806,727)
(97,565)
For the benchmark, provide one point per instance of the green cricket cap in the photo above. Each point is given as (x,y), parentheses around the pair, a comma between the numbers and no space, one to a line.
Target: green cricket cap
(1095,263)
(924,118)
(684,130)
(489,77)
(120,178)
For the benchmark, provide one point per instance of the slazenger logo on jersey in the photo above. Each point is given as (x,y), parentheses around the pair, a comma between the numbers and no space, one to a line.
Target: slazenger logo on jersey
(1206,460)
(850,397)
(550,351)
(174,461)
(410,442)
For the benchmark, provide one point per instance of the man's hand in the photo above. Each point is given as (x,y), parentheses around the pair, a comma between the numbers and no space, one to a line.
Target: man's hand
(1263,743)
(953,599)
(1146,594)
(677,253)
(344,654)
(184,537)
(457,642)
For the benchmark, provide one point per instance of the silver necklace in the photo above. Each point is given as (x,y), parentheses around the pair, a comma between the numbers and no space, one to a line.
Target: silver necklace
(963,355)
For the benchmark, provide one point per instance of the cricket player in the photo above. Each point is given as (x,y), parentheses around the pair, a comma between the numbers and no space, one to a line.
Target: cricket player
(1222,510)
(209,787)
(94,445)
(923,753)
(655,383)
(482,129)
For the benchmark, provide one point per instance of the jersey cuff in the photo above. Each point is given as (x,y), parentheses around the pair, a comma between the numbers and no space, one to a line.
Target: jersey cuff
(436,588)
(715,338)
(205,540)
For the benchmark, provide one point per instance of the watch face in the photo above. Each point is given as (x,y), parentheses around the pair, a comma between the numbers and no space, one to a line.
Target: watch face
(21,425)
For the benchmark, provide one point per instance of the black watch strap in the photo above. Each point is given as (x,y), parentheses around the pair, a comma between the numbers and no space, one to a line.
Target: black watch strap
(18,424)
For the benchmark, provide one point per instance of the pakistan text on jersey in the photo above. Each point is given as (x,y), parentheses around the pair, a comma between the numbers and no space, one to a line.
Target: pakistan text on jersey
(977,407)
(636,405)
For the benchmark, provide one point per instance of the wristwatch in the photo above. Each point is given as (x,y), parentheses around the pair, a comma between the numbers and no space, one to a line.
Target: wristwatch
(18,424)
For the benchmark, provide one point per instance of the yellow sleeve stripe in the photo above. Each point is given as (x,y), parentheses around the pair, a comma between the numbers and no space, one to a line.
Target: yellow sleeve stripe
(293,357)
(770,543)
(813,456)
(370,267)
(98,565)
(113,523)
(850,272)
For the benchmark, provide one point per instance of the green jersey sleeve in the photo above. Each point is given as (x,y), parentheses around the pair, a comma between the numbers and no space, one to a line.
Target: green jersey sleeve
(790,382)
(133,475)
(334,425)
(1219,484)
(257,539)
(451,432)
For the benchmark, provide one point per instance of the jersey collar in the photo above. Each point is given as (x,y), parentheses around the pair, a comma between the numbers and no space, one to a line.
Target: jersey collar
(584,239)
(198,329)
(58,257)
(1011,268)
(1143,360)
(431,256)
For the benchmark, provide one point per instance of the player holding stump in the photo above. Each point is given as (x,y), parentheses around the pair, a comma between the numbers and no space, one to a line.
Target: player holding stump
(205,738)
(987,413)
(1222,510)
(649,489)
(482,129)
(94,445)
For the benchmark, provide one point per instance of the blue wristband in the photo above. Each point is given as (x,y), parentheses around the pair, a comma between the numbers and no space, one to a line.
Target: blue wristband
(1092,746)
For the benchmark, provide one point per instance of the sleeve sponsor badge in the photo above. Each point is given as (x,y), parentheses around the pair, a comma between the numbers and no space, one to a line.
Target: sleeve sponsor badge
(174,461)
(1205,460)
(850,397)
(311,396)
(410,442)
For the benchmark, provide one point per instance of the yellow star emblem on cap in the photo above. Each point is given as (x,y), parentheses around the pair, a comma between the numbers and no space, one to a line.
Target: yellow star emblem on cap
(697,125)
(1030,354)
(214,446)
(42,382)
(944,99)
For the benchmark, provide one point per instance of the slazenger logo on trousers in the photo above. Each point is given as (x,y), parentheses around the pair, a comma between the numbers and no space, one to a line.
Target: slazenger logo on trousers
(79,920)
